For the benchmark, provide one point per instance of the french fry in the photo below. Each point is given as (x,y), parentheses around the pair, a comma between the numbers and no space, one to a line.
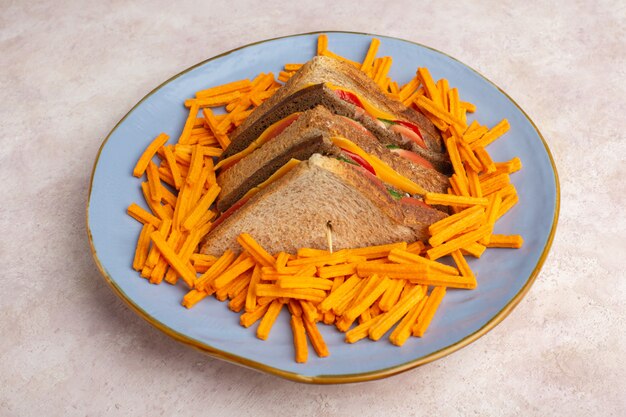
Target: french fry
(401,271)
(316,339)
(493,134)
(371,54)
(192,297)
(148,153)
(233,272)
(268,290)
(141,215)
(404,257)
(173,260)
(309,311)
(505,241)
(458,242)
(444,223)
(336,270)
(477,218)
(221,264)
(379,287)
(380,251)
(263,331)
(453,200)
(304,282)
(462,264)
(391,295)
(403,330)
(256,251)
(398,311)
(299,339)
(247,319)
(362,330)
(429,85)
(427,314)
(143,246)
(474,249)
(239,85)
(201,207)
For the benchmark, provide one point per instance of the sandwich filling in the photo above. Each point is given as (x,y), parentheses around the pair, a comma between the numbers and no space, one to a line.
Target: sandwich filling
(398,186)
(407,130)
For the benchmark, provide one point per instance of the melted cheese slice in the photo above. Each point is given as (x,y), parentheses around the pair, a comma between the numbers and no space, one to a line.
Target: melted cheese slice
(383,171)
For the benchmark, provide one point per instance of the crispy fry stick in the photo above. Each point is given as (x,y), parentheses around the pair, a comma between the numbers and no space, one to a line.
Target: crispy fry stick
(380,284)
(434,107)
(477,218)
(391,295)
(380,251)
(311,253)
(309,311)
(201,208)
(402,271)
(247,319)
(233,272)
(404,257)
(220,265)
(416,247)
(148,153)
(332,259)
(263,331)
(173,260)
(336,270)
(427,314)
(493,134)
(256,251)
(474,183)
(429,85)
(403,330)
(240,85)
(251,295)
(192,297)
(453,200)
(462,264)
(213,101)
(268,290)
(141,215)
(361,331)
(304,282)
(458,242)
(371,54)
(237,303)
(316,339)
(396,313)
(443,224)
(299,339)
(506,241)
(143,246)
(322,44)
(474,249)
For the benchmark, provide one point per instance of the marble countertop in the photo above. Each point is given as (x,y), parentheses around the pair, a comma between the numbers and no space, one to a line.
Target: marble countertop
(68,346)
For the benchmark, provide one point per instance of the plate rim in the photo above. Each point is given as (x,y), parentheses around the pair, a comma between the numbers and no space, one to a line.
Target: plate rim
(342,378)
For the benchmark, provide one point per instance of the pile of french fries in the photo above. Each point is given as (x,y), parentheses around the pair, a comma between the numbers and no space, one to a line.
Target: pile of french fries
(363,292)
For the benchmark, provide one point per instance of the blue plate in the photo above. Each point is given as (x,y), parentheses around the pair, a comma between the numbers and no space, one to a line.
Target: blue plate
(504,275)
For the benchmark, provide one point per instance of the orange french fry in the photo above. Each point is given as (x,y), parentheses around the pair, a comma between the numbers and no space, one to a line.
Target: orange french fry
(299,339)
(427,314)
(148,153)
(263,331)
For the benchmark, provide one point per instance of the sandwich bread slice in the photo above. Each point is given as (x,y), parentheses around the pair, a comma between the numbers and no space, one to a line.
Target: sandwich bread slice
(346,91)
(293,211)
(299,136)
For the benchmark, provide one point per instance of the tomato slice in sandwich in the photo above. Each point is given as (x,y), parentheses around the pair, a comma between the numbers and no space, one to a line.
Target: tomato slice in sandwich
(413,157)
